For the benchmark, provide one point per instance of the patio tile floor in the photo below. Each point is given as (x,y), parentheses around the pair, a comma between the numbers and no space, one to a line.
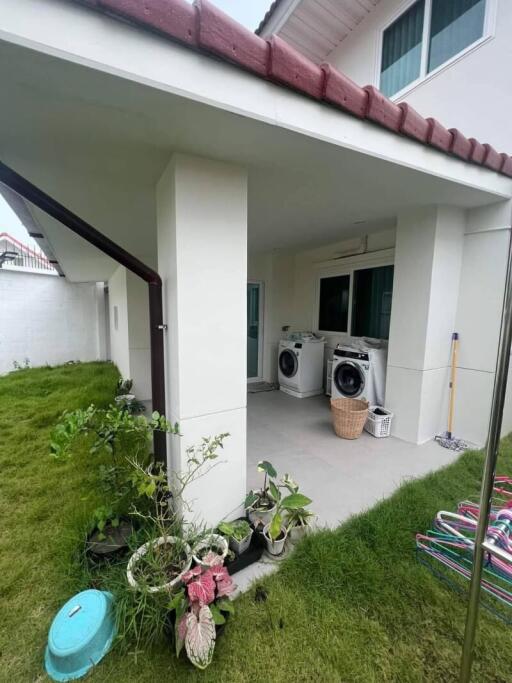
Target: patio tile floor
(342,477)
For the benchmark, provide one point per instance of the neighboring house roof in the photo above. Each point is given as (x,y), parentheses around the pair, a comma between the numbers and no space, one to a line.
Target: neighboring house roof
(314,27)
(26,256)
(202,26)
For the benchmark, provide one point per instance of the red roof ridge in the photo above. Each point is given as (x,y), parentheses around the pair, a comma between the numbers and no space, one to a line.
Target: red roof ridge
(15,241)
(205,27)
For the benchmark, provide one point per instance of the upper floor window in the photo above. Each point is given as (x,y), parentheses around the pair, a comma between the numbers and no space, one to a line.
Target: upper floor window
(425,36)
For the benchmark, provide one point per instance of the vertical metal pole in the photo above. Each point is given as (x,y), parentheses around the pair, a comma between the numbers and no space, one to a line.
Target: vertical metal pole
(491,457)
(157,365)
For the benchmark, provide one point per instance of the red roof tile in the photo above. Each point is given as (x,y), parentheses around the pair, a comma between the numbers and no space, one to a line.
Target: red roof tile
(292,68)
(224,36)
(203,26)
(461,146)
(342,91)
(413,125)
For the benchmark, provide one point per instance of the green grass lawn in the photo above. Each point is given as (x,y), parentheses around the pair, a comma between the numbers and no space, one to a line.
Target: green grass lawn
(350,605)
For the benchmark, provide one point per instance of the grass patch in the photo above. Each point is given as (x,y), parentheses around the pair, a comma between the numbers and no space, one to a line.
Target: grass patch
(351,605)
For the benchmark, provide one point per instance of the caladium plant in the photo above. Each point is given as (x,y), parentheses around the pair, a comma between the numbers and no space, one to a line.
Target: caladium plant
(199,609)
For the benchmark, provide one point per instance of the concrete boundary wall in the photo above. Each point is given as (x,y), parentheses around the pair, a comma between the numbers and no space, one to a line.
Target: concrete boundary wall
(47,319)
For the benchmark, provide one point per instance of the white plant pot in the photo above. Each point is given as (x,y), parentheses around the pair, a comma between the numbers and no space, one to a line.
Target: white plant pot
(260,516)
(138,554)
(274,547)
(240,547)
(125,398)
(296,533)
(215,540)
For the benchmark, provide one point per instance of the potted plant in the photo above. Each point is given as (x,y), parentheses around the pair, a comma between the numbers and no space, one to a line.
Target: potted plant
(261,504)
(159,564)
(210,551)
(162,561)
(238,533)
(276,531)
(200,607)
(125,439)
(298,523)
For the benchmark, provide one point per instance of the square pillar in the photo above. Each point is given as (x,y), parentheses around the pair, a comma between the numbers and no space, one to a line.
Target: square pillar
(428,259)
(202,259)
(129,330)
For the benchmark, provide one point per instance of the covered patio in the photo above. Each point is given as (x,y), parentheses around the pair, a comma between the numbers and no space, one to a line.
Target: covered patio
(214,176)
(343,478)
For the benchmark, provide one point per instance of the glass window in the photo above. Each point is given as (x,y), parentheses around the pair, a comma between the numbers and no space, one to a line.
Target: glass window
(334,296)
(371,302)
(454,25)
(401,50)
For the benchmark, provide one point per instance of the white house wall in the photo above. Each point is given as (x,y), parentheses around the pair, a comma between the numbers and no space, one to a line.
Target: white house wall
(450,94)
(49,320)
(129,330)
(478,319)
(118,315)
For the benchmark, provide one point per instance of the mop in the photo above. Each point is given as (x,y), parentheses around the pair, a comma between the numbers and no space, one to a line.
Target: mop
(447,439)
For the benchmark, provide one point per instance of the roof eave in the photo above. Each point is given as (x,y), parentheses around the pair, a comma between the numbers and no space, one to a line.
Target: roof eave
(276,17)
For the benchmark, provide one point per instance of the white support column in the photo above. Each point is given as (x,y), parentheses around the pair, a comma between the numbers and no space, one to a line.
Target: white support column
(129,330)
(202,258)
(428,258)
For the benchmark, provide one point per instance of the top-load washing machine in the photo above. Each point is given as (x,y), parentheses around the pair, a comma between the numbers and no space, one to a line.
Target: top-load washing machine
(300,365)
(359,373)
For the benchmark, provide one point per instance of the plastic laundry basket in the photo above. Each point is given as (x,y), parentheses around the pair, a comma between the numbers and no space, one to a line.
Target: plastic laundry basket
(379,425)
(348,416)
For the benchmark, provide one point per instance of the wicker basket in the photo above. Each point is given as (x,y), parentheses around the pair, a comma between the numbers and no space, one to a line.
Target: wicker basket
(348,417)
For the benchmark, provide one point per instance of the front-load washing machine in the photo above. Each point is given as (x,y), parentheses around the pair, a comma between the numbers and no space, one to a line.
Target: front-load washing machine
(359,373)
(300,367)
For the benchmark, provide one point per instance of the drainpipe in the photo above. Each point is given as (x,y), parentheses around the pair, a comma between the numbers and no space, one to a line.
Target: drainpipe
(52,208)
(482,546)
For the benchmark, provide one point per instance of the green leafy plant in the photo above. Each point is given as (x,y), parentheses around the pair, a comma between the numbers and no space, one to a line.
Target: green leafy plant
(121,436)
(142,613)
(299,517)
(271,496)
(288,504)
(238,530)
(265,498)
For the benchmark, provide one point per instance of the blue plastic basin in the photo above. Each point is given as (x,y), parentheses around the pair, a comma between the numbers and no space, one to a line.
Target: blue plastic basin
(80,635)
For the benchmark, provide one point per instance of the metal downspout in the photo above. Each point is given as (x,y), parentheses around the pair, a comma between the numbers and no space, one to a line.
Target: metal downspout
(491,457)
(74,223)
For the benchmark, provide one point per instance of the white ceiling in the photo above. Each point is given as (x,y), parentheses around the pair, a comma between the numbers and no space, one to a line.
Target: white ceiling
(316,27)
(99,143)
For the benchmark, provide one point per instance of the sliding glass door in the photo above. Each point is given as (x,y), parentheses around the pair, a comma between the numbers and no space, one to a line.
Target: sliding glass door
(254,330)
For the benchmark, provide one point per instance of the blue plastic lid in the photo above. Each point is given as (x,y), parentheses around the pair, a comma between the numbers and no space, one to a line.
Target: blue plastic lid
(80,635)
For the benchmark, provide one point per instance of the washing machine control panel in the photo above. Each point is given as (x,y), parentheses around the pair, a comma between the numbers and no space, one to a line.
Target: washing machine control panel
(349,353)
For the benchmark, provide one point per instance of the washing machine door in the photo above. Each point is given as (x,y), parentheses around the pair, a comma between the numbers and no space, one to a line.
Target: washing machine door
(349,379)
(288,363)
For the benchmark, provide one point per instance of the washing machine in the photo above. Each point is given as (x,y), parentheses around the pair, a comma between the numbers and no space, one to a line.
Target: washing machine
(300,367)
(359,373)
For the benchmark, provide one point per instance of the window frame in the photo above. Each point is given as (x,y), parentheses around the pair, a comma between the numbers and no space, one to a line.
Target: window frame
(488,33)
(348,267)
